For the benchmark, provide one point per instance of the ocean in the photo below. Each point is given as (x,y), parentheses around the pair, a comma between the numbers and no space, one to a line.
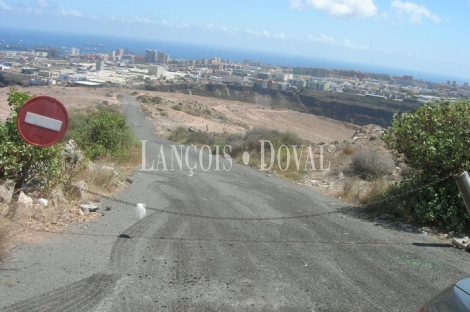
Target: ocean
(194,51)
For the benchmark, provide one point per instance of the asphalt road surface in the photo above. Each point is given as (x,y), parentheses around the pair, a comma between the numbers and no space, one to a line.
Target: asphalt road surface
(178,262)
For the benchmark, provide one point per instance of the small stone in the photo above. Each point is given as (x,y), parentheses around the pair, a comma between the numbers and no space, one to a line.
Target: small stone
(91,207)
(443,236)
(129,180)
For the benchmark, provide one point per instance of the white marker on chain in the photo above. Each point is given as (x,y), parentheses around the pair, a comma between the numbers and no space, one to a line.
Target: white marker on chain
(140,211)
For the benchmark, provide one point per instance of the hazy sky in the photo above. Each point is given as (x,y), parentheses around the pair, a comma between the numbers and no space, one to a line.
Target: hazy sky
(429,36)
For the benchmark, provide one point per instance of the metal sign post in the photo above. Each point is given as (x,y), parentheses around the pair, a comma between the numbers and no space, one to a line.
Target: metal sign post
(463,181)
(42,121)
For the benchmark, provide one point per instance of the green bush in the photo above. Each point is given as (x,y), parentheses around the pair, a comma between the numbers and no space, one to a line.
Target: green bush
(41,164)
(440,203)
(77,120)
(434,142)
(148,99)
(106,134)
(240,143)
(184,136)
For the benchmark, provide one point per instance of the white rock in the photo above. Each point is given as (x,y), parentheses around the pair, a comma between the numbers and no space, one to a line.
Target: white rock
(91,207)
(341,176)
(43,201)
(461,243)
(25,200)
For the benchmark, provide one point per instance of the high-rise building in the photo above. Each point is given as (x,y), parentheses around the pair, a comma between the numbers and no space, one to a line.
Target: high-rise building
(112,53)
(99,65)
(75,52)
(162,58)
(119,52)
(151,56)
(53,53)
(140,59)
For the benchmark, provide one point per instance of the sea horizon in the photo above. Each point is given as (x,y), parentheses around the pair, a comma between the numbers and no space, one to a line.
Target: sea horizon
(178,50)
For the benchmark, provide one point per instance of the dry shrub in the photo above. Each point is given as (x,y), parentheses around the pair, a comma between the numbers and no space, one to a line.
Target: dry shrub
(374,191)
(348,150)
(102,178)
(370,164)
(346,190)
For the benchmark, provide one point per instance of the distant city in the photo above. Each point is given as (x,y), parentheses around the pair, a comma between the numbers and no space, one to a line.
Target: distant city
(90,65)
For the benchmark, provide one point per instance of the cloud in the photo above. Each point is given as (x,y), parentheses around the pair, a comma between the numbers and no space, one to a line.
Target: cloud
(69,12)
(251,32)
(265,33)
(350,9)
(347,43)
(214,27)
(415,12)
(44,4)
(322,38)
(281,36)
(4,6)
(344,42)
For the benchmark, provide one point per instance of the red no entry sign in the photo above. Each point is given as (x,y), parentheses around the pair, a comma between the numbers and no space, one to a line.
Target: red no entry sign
(42,121)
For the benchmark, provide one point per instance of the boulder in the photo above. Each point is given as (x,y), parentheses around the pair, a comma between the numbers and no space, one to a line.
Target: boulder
(25,200)
(461,243)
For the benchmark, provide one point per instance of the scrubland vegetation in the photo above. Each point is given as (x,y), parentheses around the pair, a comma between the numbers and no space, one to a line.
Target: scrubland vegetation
(103,151)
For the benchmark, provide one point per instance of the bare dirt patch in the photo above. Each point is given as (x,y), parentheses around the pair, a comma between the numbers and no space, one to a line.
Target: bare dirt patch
(237,117)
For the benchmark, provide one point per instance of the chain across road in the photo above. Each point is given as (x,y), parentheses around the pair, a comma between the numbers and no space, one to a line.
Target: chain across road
(184,214)
(341,210)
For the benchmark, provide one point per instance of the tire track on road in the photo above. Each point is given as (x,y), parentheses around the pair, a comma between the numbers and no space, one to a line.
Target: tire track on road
(89,291)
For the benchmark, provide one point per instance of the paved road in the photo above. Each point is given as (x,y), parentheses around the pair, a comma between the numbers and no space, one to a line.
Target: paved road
(171,262)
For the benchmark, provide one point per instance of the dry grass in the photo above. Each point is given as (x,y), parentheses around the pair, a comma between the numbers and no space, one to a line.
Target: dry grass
(357,191)
(4,230)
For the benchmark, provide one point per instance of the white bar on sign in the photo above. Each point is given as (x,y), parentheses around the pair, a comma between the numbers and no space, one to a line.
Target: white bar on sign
(43,121)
